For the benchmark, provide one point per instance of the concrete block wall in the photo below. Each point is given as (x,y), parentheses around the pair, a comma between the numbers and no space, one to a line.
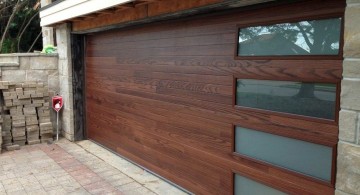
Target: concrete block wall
(21,67)
(348,160)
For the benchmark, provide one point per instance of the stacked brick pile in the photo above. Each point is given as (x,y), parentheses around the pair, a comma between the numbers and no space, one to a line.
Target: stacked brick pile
(5,125)
(46,126)
(28,104)
(6,131)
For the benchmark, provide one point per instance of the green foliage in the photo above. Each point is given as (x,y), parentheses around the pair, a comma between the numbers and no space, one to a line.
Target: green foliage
(49,49)
(23,28)
(9,46)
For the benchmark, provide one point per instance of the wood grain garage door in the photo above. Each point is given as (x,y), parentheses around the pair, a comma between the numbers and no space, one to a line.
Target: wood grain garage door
(164,96)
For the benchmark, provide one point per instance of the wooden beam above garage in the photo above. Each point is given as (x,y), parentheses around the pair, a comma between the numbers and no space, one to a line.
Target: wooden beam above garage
(145,11)
(139,10)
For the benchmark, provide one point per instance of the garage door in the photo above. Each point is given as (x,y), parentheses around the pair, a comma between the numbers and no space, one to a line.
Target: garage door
(223,103)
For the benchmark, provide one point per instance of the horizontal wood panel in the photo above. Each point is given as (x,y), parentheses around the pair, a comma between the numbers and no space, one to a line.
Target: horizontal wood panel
(170,153)
(162,95)
(311,131)
(311,71)
(195,78)
(221,62)
(151,42)
(200,50)
(172,131)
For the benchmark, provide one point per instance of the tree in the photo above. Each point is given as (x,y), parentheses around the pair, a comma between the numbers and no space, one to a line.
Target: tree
(19,26)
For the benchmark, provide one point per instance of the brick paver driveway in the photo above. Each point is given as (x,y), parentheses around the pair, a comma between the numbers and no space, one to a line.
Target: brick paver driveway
(74,168)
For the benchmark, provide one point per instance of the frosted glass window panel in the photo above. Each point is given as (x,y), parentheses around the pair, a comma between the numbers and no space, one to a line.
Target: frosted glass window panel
(308,99)
(303,157)
(312,37)
(245,186)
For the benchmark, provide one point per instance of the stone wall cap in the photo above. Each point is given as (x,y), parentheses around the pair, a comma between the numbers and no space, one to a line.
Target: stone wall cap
(29,55)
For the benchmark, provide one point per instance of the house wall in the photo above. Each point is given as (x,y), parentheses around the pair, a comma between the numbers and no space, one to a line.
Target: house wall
(348,163)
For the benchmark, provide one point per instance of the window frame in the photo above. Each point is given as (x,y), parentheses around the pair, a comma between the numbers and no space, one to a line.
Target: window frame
(312,68)
(248,176)
(239,156)
(291,115)
(291,57)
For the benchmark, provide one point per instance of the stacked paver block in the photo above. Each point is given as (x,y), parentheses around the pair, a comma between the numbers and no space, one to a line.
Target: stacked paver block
(43,113)
(32,129)
(46,131)
(6,131)
(1,119)
(33,91)
(15,107)
(28,104)
(18,130)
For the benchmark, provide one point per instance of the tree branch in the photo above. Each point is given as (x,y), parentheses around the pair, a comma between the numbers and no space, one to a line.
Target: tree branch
(32,45)
(8,24)
(6,7)
(304,35)
(22,32)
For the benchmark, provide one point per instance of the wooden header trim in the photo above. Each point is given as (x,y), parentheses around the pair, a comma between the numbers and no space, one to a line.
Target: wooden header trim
(137,11)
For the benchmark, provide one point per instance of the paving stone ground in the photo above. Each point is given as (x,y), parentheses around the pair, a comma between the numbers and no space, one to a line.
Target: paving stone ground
(75,168)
